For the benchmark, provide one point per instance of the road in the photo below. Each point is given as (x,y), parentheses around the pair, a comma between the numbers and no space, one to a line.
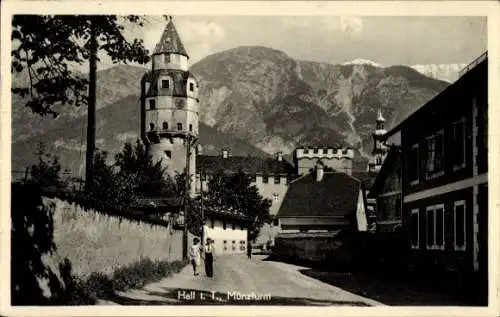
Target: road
(240,281)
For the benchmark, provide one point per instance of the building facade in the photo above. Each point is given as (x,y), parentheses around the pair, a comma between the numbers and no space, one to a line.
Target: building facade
(228,232)
(305,159)
(444,185)
(169,106)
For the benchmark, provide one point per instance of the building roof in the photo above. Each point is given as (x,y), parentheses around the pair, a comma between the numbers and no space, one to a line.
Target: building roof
(246,164)
(481,61)
(309,234)
(224,214)
(179,81)
(335,195)
(378,183)
(170,42)
(159,202)
(365,177)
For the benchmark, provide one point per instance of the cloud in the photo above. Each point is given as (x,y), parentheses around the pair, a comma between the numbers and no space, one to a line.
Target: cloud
(351,25)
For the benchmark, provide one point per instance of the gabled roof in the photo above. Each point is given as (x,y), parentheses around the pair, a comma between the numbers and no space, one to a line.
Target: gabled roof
(392,157)
(249,165)
(336,195)
(365,177)
(170,42)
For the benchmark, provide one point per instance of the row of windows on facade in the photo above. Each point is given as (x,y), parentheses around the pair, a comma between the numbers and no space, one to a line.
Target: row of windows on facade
(265,179)
(224,225)
(164,126)
(165,84)
(435,227)
(434,160)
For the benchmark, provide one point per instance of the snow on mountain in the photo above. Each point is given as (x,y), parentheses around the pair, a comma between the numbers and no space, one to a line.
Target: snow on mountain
(446,72)
(361,61)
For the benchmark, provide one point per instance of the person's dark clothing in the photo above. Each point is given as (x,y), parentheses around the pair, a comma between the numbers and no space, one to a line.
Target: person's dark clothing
(249,251)
(209,264)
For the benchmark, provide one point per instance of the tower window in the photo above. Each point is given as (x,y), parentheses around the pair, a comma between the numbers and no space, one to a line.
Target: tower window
(165,125)
(168,154)
(165,83)
(152,126)
(152,104)
(191,87)
(191,127)
(179,126)
(276,179)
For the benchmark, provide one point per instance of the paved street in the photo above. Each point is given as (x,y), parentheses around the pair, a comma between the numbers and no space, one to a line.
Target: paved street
(238,280)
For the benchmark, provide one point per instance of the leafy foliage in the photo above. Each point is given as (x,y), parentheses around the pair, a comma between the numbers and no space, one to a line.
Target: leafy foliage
(47,47)
(150,178)
(235,193)
(48,170)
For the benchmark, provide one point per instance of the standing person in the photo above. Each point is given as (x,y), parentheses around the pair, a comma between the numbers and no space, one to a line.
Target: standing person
(209,258)
(249,250)
(195,256)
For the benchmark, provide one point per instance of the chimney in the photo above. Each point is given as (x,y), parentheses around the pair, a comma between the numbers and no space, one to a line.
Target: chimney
(224,153)
(319,171)
(279,156)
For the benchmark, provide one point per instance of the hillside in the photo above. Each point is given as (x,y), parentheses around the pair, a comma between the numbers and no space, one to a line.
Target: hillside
(253,100)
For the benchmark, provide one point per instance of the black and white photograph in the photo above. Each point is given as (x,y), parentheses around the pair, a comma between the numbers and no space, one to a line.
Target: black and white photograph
(189,155)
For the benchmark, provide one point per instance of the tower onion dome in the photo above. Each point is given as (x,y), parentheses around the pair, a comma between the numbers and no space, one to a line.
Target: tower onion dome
(380,124)
(170,41)
(380,118)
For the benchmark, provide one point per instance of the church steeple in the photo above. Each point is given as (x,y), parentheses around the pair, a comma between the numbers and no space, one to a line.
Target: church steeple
(170,41)
(379,148)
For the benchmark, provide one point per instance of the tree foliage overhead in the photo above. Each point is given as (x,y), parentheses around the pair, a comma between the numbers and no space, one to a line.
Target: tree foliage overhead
(46,47)
(235,193)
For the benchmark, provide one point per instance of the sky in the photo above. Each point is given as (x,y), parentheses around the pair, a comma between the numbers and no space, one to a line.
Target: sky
(393,40)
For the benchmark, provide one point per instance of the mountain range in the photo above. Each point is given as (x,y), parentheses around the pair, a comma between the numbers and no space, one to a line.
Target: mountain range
(254,100)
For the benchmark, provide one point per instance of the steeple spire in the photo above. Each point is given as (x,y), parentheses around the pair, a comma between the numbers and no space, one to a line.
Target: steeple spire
(380,118)
(170,42)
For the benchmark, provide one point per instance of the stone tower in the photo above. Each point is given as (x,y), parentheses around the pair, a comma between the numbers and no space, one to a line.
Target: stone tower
(169,106)
(379,151)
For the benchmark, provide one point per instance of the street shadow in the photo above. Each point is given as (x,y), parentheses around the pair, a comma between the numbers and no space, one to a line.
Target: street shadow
(399,288)
(182,296)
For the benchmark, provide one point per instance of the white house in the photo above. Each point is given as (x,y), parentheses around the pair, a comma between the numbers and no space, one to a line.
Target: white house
(227,230)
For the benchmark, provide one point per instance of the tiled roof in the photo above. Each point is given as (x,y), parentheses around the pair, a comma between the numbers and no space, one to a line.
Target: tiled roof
(170,42)
(335,195)
(179,77)
(292,235)
(156,202)
(224,214)
(248,165)
(367,178)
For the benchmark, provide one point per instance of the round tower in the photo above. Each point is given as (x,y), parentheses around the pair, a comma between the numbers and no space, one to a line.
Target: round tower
(169,106)
(379,148)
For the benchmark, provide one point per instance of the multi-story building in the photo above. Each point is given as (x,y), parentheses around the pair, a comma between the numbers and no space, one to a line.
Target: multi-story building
(444,175)
(169,105)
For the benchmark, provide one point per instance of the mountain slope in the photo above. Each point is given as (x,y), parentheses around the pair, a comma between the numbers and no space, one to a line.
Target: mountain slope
(253,100)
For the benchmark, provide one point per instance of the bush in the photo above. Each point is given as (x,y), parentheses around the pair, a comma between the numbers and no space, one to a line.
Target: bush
(100,286)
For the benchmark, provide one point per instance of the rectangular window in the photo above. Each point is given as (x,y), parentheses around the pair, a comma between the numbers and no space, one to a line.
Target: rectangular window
(152,104)
(435,227)
(234,226)
(435,154)
(167,58)
(415,229)
(412,165)
(459,225)
(276,198)
(306,151)
(276,179)
(165,83)
(224,225)
(212,223)
(265,179)
(191,87)
(459,144)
